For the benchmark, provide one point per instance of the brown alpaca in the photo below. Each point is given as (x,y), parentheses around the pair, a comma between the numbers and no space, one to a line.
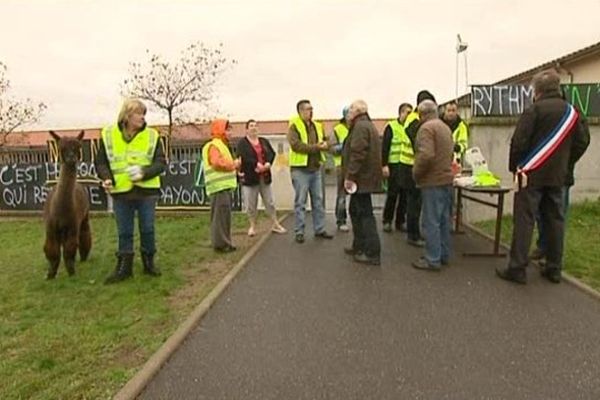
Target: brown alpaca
(66,211)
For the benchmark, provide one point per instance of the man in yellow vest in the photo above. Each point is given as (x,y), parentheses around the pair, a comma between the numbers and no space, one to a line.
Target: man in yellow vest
(220,180)
(459,128)
(336,142)
(407,160)
(307,153)
(395,201)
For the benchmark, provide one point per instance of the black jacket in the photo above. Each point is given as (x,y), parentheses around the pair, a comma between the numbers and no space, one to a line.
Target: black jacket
(576,155)
(535,124)
(249,160)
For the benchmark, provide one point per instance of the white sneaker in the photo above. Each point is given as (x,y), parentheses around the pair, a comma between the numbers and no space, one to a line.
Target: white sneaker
(344,228)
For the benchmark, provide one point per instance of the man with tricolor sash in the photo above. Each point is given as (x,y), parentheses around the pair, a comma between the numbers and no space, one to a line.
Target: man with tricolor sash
(548,138)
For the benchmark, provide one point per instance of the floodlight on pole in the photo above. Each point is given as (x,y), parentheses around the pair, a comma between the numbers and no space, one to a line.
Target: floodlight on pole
(460,48)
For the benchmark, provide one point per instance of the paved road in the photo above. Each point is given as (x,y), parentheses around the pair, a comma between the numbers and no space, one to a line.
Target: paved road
(304,322)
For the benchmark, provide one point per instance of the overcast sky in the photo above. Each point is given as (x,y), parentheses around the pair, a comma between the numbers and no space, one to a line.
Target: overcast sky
(74,54)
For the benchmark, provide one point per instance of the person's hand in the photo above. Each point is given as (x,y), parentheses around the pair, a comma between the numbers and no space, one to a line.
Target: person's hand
(135,173)
(237,163)
(385,171)
(323,146)
(259,168)
(267,167)
(107,184)
(456,169)
(349,186)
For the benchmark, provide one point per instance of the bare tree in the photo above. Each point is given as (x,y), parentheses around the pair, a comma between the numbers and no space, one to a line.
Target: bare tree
(15,113)
(170,86)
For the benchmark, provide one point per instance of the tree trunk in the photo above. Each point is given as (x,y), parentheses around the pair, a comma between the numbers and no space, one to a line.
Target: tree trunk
(170,111)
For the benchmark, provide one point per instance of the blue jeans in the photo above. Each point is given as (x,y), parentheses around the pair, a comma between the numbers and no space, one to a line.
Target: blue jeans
(542,242)
(437,207)
(124,210)
(308,182)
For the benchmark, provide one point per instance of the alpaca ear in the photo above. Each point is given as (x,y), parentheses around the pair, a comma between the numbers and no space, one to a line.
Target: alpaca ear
(54,136)
(80,136)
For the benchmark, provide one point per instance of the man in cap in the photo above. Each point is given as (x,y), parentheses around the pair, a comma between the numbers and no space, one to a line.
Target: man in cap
(407,160)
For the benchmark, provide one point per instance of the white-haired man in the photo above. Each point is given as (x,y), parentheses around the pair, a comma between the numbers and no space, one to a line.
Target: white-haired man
(361,166)
(433,176)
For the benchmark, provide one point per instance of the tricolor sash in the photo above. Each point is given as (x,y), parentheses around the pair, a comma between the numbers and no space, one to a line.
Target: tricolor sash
(544,150)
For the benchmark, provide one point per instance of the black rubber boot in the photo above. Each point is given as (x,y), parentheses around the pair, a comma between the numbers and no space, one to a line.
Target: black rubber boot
(123,270)
(149,267)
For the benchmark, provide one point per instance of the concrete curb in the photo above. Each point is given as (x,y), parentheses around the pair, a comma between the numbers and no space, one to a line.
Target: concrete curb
(566,277)
(140,380)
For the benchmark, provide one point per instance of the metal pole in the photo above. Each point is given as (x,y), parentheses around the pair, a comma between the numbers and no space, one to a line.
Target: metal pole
(466,73)
(456,87)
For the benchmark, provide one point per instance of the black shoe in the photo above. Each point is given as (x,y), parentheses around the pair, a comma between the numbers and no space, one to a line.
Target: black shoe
(513,275)
(123,270)
(299,237)
(422,263)
(323,235)
(350,251)
(445,263)
(416,243)
(226,249)
(149,267)
(387,227)
(362,258)
(537,255)
(401,228)
(552,274)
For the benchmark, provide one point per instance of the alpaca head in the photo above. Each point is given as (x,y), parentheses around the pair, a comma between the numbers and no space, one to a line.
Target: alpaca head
(69,147)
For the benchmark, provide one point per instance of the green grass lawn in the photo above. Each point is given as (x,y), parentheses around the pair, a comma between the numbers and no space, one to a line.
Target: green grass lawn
(582,255)
(75,338)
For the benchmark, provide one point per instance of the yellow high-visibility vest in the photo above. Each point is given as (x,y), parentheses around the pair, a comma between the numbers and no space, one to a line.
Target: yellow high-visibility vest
(121,155)
(460,136)
(217,181)
(407,153)
(341,133)
(399,136)
(301,159)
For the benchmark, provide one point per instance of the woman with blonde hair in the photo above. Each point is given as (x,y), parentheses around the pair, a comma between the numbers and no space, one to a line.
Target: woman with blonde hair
(129,162)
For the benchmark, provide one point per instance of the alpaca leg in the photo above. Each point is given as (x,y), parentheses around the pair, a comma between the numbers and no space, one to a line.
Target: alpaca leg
(52,251)
(69,253)
(85,239)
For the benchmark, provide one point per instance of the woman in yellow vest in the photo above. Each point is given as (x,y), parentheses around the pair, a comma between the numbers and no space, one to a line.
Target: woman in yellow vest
(129,162)
(220,180)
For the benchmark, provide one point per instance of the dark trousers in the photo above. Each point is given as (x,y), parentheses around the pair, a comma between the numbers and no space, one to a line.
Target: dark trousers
(542,242)
(395,200)
(550,203)
(364,226)
(124,210)
(413,213)
(220,219)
